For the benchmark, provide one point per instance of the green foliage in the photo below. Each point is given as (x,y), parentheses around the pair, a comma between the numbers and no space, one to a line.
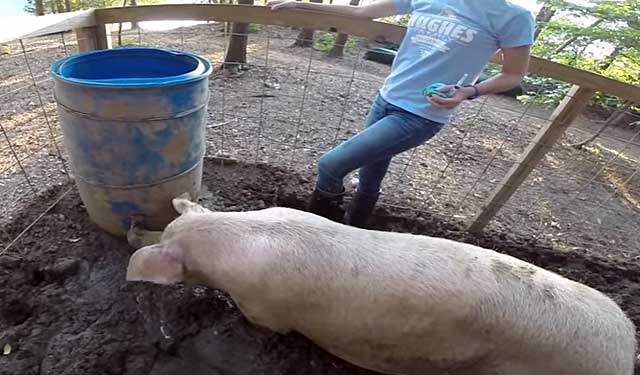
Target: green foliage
(402,20)
(601,36)
(492,69)
(326,41)
(129,42)
(254,28)
(543,90)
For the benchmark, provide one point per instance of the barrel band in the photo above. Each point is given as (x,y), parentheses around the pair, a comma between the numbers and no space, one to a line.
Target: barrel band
(139,186)
(146,119)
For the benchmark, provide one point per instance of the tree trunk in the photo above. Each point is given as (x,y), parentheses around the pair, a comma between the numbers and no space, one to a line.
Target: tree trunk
(124,4)
(341,39)
(569,41)
(338,45)
(134,24)
(67,5)
(542,18)
(39,8)
(305,37)
(613,118)
(52,6)
(236,55)
(59,6)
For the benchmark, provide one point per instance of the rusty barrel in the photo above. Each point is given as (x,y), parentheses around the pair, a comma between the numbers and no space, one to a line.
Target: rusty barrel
(133,122)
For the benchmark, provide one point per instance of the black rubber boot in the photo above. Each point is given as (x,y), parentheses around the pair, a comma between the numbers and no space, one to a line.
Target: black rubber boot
(326,205)
(360,209)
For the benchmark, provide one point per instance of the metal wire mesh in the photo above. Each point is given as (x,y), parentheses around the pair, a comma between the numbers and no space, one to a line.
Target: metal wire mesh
(289,105)
(33,162)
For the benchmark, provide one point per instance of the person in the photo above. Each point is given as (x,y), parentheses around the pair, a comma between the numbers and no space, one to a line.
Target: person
(448,42)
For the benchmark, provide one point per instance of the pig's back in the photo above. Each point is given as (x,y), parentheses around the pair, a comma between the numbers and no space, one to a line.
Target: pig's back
(416,298)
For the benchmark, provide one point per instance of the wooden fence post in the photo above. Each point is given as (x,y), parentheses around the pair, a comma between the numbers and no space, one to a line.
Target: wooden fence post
(570,107)
(92,38)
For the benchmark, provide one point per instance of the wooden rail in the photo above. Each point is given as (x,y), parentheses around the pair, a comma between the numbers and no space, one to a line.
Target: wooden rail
(92,34)
(254,14)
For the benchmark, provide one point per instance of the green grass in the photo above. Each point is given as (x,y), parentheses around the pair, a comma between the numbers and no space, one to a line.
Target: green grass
(326,41)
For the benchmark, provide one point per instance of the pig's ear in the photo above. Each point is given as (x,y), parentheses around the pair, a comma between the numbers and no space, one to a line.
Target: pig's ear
(183,205)
(159,263)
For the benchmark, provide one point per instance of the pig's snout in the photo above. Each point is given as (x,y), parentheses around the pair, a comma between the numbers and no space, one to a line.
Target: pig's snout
(158,264)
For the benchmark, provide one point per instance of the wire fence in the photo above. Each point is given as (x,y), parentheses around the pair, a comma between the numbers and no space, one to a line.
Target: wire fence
(32,158)
(289,105)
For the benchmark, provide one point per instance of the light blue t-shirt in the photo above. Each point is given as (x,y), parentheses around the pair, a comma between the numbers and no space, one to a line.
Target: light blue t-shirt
(446,39)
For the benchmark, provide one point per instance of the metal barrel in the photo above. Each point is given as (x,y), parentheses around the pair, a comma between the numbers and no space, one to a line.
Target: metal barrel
(133,122)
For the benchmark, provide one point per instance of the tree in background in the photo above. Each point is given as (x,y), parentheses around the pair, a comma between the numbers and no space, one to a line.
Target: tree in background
(546,12)
(341,39)
(36,7)
(134,25)
(236,55)
(305,37)
(612,25)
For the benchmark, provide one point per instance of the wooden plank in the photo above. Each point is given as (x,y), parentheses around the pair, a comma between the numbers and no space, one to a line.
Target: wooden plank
(92,38)
(103,36)
(22,27)
(570,107)
(353,26)
(86,37)
(254,14)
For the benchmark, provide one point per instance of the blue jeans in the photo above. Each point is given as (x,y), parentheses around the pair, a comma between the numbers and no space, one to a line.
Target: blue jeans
(389,131)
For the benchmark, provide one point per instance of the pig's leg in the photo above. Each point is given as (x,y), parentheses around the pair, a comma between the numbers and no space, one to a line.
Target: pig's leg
(138,237)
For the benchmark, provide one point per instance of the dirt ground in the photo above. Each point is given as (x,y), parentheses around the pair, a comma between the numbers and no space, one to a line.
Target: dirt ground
(65,307)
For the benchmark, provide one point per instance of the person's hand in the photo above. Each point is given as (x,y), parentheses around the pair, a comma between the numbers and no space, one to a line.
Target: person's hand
(460,95)
(281,4)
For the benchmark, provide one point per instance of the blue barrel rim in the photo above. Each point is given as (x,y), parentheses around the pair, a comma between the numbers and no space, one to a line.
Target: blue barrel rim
(202,70)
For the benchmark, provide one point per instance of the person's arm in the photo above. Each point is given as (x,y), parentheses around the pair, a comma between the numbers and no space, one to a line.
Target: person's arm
(377,9)
(514,67)
(515,64)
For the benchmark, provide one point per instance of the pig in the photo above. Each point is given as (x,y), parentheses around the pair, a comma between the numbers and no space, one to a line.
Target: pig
(394,303)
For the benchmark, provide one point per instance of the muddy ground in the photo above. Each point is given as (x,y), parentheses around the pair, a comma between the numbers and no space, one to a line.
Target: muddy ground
(65,307)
